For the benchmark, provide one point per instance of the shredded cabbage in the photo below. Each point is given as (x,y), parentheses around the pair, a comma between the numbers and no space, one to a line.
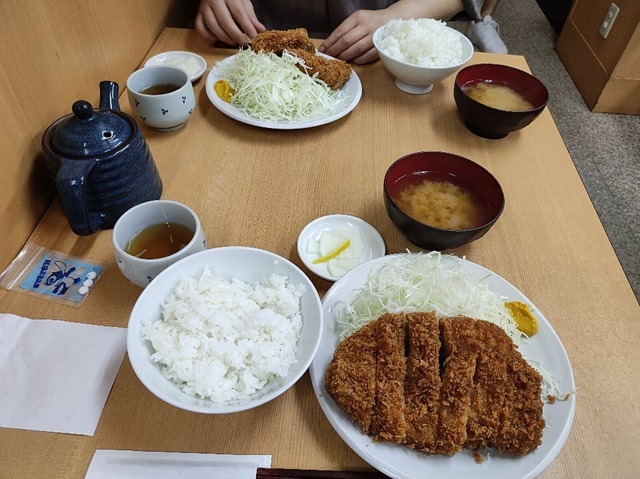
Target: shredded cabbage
(422,282)
(273,88)
(550,386)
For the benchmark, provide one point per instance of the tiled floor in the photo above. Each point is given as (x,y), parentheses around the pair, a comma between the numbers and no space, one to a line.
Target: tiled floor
(605,147)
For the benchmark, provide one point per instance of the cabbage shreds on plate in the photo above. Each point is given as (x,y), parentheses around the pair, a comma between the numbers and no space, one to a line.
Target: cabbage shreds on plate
(424,282)
(273,88)
(432,282)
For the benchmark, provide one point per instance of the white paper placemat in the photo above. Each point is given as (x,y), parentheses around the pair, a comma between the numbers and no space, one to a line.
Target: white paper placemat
(110,464)
(56,375)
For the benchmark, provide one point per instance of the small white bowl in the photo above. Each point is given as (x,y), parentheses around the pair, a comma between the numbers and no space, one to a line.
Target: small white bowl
(417,79)
(194,65)
(371,239)
(250,265)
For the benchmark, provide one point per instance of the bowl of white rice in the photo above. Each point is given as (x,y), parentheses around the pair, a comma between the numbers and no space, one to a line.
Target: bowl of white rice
(420,52)
(224,330)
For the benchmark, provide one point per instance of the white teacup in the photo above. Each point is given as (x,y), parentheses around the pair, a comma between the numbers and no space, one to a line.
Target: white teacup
(141,271)
(161,97)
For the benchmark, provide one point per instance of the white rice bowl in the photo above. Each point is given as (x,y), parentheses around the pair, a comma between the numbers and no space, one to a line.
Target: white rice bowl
(421,52)
(224,330)
(421,41)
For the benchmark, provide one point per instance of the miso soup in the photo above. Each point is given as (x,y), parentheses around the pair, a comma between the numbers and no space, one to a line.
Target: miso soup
(497,96)
(443,202)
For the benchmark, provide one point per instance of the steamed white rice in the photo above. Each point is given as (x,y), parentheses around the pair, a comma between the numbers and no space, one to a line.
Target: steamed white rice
(421,41)
(224,340)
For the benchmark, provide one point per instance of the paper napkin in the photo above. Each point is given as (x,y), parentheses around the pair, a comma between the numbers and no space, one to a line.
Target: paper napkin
(109,464)
(56,375)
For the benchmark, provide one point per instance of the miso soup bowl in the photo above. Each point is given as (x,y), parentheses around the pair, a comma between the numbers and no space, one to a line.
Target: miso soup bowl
(494,123)
(414,168)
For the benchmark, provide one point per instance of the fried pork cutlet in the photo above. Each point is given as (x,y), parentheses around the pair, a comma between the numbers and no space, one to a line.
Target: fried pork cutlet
(457,384)
(490,385)
(422,384)
(332,71)
(388,420)
(463,384)
(521,421)
(503,409)
(277,41)
(351,376)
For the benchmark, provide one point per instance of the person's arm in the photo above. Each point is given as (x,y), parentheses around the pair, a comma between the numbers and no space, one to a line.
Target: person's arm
(352,40)
(233,22)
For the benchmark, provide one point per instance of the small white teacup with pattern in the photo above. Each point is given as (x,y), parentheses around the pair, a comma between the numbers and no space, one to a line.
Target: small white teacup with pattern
(161,97)
(152,236)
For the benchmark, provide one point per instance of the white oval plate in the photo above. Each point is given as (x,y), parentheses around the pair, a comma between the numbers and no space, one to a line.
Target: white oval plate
(402,463)
(174,59)
(352,90)
(371,239)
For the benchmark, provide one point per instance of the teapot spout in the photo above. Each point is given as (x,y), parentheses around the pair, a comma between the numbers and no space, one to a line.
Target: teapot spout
(109,95)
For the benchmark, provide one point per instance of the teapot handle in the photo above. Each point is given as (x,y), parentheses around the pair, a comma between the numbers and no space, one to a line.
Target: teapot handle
(71,184)
(109,95)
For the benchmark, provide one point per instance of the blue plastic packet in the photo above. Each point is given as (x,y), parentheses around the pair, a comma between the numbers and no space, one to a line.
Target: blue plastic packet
(51,275)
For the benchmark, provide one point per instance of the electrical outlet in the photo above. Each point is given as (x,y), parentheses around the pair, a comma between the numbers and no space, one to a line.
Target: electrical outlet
(605,28)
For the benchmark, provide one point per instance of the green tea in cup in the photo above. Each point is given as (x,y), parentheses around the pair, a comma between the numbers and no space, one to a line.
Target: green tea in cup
(152,236)
(159,240)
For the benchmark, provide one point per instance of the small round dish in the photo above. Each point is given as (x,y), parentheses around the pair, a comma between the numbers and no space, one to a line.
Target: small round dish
(194,65)
(372,242)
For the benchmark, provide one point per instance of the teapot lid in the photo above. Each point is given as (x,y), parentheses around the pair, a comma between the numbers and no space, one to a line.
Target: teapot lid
(89,133)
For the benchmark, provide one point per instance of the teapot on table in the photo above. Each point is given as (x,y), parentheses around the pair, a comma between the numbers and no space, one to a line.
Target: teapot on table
(101,163)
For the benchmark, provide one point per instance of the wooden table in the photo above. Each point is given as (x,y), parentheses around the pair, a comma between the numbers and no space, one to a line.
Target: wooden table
(258,187)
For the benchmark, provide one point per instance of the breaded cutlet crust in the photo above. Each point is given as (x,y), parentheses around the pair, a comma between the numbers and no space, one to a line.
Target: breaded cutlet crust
(277,41)
(388,421)
(505,411)
(487,394)
(422,384)
(490,386)
(521,421)
(457,385)
(351,377)
(332,71)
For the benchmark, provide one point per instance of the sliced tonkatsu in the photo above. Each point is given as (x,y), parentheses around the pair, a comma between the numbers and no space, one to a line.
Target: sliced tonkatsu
(458,383)
(277,41)
(490,386)
(388,421)
(521,421)
(422,384)
(351,376)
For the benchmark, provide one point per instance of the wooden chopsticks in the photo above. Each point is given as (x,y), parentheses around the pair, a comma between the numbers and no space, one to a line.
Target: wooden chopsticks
(264,473)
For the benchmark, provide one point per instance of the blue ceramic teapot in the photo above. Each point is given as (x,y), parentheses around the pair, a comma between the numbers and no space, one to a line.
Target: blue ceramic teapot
(101,163)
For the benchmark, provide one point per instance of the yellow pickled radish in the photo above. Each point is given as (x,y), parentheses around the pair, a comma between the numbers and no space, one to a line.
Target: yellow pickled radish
(524,318)
(224,90)
(333,253)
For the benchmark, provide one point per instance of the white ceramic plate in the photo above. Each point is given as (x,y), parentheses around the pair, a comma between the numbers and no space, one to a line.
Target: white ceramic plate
(352,90)
(371,239)
(191,63)
(403,463)
(250,265)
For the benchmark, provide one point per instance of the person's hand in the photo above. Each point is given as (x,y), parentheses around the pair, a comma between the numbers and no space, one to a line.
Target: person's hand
(233,22)
(352,40)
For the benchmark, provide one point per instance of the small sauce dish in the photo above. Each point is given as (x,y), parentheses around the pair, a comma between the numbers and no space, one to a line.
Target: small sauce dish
(194,65)
(372,245)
